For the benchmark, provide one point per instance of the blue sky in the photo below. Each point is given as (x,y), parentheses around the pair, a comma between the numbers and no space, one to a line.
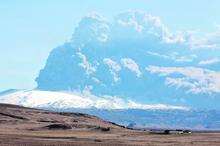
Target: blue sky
(31,29)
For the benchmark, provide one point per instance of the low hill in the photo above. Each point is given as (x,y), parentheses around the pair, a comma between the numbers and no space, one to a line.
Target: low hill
(21,118)
(33,127)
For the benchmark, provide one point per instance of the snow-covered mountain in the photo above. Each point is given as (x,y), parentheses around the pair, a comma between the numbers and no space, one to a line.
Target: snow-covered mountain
(118,110)
(136,56)
(65,100)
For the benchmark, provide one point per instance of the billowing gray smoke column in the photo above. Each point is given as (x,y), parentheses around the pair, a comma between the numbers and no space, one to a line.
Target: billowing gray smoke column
(135,56)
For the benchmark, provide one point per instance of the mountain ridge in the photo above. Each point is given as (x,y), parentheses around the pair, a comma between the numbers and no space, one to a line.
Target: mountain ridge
(117,110)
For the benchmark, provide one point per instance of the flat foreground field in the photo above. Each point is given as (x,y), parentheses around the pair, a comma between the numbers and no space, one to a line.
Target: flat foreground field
(95,138)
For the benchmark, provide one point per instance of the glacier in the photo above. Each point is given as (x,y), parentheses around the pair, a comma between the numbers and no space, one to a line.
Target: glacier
(114,109)
(67,100)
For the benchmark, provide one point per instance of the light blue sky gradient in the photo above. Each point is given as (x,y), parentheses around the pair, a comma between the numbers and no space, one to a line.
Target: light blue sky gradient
(29,30)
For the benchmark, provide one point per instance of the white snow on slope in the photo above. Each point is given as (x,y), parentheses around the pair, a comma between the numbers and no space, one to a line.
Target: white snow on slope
(61,100)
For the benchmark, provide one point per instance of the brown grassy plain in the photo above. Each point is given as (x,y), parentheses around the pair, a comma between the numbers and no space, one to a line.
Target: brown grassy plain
(21,126)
